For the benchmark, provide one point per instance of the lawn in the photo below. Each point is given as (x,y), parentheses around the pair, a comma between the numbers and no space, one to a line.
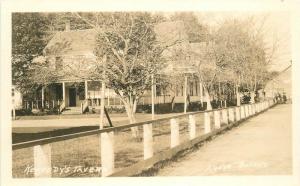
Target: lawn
(86,152)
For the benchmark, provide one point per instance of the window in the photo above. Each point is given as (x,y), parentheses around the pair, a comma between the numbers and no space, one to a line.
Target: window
(58,63)
(12,92)
(191,89)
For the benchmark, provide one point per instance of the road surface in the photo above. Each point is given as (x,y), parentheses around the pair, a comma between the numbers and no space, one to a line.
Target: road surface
(261,145)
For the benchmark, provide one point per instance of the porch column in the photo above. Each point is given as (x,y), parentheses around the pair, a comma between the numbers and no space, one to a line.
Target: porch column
(201,92)
(152,96)
(85,89)
(102,104)
(108,103)
(185,93)
(43,98)
(64,91)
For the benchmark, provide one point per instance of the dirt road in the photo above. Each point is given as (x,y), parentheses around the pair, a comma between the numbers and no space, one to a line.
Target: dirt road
(260,146)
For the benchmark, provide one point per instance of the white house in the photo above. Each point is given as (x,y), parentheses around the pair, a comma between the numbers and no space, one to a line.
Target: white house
(280,84)
(72,51)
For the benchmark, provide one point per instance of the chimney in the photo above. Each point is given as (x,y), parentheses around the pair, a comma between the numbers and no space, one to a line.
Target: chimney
(68,25)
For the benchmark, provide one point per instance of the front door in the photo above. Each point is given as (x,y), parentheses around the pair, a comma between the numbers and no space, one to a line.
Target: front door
(72,97)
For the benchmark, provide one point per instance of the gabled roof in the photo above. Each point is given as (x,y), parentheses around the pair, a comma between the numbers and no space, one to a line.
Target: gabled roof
(79,42)
(170,31)
(74,42)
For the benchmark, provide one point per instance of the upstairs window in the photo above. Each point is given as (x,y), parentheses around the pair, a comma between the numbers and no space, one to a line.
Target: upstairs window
(58,63)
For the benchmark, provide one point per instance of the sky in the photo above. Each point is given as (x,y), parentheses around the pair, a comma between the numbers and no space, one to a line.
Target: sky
(276,28)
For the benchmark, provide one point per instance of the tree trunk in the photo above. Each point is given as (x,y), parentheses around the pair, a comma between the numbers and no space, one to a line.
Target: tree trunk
(130,110)
(207,98)
(201,93)
(172,103)
(252,94)
(238,98)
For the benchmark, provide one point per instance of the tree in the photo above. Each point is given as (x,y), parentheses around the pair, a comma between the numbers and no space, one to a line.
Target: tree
(196,31)
(29,38)
(128,54)
(239,47)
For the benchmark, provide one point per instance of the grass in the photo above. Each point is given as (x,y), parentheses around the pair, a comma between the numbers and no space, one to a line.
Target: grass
(86,152)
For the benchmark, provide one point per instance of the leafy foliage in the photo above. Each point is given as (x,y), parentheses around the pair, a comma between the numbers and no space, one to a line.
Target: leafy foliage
(29,37)
(196,31)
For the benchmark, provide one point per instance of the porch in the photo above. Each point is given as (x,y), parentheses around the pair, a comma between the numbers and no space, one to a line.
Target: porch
(71,95)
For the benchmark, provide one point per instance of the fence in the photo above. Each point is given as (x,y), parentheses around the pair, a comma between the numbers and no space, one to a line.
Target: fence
(120,153)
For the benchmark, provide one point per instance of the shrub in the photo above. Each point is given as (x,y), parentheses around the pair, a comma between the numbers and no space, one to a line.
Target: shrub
(24,112)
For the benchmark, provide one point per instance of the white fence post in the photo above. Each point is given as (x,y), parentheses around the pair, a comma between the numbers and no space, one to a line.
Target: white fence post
(246,111)
(249,110)
(260,106)
(107,153)
(207,127)
(224,116)
(148,141)
(242,112)
(192,126)
(237,113)
(42,161)
(231,115)
(266,103)
(174,133)
(217,119)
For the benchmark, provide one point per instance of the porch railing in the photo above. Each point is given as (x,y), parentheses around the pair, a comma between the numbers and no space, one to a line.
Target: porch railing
(37,104)
(161,139)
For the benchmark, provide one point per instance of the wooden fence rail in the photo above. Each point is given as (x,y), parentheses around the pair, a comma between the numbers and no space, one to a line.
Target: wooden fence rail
(227,116)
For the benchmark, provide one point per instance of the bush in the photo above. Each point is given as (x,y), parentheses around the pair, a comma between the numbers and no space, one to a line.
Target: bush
(231,102)
(163,108)
(36,112)
(111,109)
(115,109)
(143,109)
(24,112)
(245,99)
(194,106)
